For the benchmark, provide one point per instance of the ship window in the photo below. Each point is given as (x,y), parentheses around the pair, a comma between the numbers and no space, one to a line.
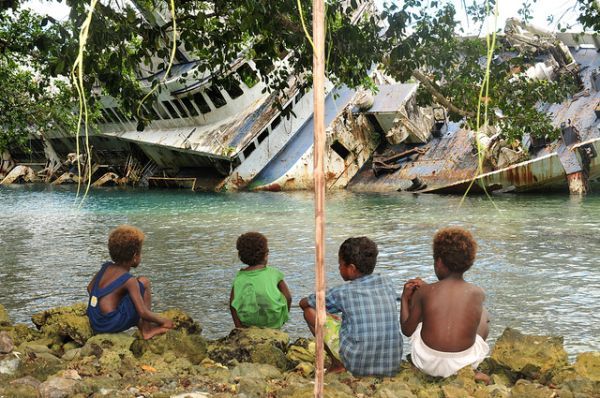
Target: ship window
(188,104)
(170,109)
(162,112)
(181,109)
(249,149)
(264,134)
(149,110)
(215,96)
(233,88)
(287,111)
(275,122)
(201,102)
(116,115)
(340,149)
(107,116)
(248,75)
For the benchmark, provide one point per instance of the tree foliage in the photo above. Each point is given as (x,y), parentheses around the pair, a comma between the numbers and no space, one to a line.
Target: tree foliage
(452,69)
(419,42)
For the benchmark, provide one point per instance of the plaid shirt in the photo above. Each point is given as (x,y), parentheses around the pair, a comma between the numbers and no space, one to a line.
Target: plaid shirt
(370,339)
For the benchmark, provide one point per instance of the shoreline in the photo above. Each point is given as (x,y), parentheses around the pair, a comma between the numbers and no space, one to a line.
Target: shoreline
(61,357)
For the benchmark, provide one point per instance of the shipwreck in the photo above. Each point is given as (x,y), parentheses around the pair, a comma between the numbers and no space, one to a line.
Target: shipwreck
(211,137)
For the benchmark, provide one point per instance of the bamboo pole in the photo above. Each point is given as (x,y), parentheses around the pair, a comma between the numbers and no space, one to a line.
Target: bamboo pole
(318,173)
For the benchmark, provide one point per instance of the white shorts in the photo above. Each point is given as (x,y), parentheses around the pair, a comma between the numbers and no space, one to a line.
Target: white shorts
(444,364)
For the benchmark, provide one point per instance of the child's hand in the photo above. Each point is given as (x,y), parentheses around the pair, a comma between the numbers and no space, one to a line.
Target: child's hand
(410,287)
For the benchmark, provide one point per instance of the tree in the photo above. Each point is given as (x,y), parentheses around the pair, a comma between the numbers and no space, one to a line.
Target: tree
(452,69)
(30,101)
(419,42)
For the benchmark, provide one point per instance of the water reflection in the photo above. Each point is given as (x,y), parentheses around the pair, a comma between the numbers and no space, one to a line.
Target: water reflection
(537,255)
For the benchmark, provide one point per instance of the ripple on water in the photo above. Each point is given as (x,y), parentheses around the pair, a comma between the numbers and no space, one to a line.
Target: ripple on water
(537,257)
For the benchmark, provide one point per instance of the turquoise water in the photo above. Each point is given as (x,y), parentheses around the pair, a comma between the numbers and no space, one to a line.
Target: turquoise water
(538,259)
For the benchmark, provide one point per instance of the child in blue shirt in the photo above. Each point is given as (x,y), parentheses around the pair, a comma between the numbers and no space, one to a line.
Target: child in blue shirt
(370,343)
(118,300)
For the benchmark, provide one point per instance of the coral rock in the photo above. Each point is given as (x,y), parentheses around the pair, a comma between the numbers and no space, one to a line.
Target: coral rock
(57,387)
(4,319)
(531,356)
(252,345)
(6,343)
(71,322)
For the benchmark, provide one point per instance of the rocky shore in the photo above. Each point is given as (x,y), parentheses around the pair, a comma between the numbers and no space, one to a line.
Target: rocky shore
(61,357)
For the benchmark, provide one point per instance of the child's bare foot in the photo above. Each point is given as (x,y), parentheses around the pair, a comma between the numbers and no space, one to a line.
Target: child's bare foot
(482,377)
(151,332)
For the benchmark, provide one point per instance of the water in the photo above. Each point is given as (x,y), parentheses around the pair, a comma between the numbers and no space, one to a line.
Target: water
(537,260)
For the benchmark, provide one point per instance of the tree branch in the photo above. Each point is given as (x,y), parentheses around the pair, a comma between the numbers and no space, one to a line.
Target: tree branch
(439,97)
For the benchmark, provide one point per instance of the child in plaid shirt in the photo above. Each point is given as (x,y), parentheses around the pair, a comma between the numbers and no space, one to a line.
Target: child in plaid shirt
(370,343)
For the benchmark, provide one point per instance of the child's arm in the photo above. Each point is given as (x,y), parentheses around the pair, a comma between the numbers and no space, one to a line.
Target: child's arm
(234,315)
(133,288)
(283,288)
(410,306)
(91,284)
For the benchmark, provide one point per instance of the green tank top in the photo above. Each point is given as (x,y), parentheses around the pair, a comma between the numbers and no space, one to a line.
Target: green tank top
(257,299)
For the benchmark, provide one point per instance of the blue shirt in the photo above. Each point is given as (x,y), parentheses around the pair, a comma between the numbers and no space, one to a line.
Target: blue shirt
(370,339)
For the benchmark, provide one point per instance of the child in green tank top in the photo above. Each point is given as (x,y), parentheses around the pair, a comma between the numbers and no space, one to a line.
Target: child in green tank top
(259,296)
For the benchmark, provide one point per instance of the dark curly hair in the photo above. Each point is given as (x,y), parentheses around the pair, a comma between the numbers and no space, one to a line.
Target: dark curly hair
(455,247)
(124,242)
(252,248)
(360,251)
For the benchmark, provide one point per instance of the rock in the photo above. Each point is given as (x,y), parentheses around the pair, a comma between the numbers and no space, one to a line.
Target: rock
(28,381)
(412,376)
(531,356)
(587,365)
(527,389)
(393,389)
(191,395)
(9,364)
(302,350)
(40,365)
(307,391)
(452,391)
(182,320)
(255,371)
(580,379)
(71,355)
(68,322)
(6,343)
(57,387)
(35,347)
(107,341)
(253,388)
(19,391)
(179,342)
(4,319)
(305,369)
(498,391)
(251,345)
(48,358)
(21,333)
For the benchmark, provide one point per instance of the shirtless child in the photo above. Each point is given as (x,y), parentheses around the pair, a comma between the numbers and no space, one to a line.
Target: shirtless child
(118,300)
(446,320)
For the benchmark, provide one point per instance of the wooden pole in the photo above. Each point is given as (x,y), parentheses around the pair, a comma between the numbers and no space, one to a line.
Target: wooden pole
(318,172)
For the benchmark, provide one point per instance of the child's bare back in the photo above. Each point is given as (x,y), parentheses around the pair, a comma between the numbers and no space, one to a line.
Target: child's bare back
(446,320)
(451,314)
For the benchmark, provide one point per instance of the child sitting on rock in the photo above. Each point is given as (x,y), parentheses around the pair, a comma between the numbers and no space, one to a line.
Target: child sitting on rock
(259,296)
(367,339)
(446,320)
(118,300)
